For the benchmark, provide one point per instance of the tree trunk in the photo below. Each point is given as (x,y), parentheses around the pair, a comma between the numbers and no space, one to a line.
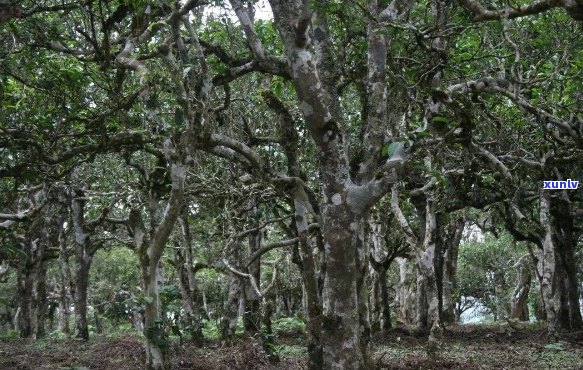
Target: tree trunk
(375,303)
(24,318)
(64,283)
(191,320)
(187,282)
(499,293)
(565,238)
(428,298)
(342,335)
(307,266)
(84,251)
(405,292)
(519,303)
(150,247)
(385,303)
(252,315)
(236,285)
(547,261)
(41,302)
(450,261)
(156,340)
(83,263)
(450,283)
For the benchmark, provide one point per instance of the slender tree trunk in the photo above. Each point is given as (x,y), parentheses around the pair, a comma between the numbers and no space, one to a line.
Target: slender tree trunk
(385,302)
(375,303)
(83,263)
(191,319)
(547,267)
(64,283)
(150,247)
(41,302)
(156,340)
(499,293)
(232,305)
(84,251)
(188,285)
(450,285)
(310,286)
(252,315)
(519,303)
(428,298)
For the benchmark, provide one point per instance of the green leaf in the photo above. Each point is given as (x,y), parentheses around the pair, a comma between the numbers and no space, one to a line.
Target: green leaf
(389,150)
(148,300)
(440,119)
(185,71)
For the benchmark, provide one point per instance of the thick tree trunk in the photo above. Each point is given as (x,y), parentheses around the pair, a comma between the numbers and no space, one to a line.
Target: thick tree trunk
(343,331)
(24,319)
(231,310)
(428,317)
(362,250)
(565,238)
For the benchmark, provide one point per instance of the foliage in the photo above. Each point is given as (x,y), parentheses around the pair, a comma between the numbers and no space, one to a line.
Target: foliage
(486,274)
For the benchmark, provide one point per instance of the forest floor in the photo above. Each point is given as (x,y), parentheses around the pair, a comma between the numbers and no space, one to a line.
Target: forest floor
(464,347)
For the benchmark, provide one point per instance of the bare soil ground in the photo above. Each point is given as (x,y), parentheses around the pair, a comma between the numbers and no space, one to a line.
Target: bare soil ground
(464,347)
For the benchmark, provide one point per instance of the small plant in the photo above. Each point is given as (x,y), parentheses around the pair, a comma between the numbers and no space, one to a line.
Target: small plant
(287,324)
(9,335)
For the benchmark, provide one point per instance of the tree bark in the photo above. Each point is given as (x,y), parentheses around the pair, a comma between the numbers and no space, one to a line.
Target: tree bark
(450,285)
(519,303)
(64,284)
(547,261)
(24,320)
(565,238)
(83,264)
(231,308)
(41,302)
(150,246)
(405,292)
(187,283)
(252,315)
(307,266)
